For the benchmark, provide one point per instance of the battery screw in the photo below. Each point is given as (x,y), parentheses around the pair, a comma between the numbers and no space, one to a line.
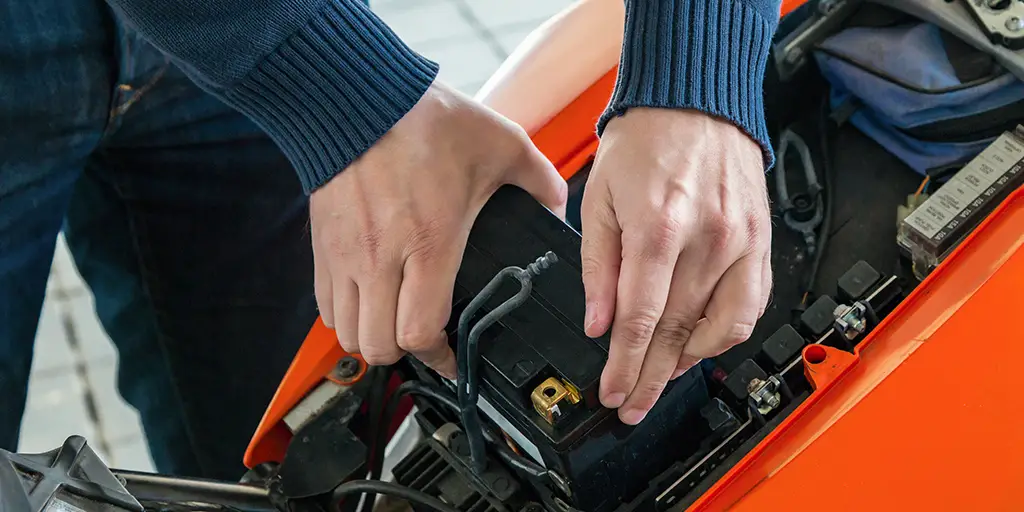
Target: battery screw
(543,263)
(347,368)
(1015,24)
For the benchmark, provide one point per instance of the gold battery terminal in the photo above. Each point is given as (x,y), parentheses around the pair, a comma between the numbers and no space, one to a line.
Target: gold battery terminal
(549,394)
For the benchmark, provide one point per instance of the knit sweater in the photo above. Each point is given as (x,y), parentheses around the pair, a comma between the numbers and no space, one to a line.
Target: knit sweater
(326,79)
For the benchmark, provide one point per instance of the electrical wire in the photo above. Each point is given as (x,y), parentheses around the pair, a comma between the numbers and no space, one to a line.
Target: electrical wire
(829,195)
(446,399)
(468,341)
(378,429)
(922,187)
(421,499)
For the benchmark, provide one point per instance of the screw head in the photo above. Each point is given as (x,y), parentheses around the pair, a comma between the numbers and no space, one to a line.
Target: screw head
(348,367)
(1015,24)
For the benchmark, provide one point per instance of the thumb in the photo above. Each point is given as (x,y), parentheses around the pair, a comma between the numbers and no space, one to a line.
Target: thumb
(535,174)
(601,255)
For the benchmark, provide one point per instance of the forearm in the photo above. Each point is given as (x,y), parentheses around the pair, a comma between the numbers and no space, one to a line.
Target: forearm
(707,55)
(325,79)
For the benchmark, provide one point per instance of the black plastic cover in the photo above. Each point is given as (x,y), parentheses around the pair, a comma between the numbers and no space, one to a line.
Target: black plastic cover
(818,318)
(739,379)
(855,284)
(781,347)
(28,483)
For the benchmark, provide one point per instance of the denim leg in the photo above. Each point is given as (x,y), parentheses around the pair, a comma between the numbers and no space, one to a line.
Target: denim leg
(192,231)
(55,70)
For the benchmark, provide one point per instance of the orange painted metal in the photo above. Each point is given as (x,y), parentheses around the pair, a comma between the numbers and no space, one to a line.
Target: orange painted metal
(925,415)
(317,357)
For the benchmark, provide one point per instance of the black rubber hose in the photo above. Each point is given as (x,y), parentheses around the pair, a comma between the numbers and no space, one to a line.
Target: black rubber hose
(446,399)
(829,192)
(377,427)
(389,489)
(470,413)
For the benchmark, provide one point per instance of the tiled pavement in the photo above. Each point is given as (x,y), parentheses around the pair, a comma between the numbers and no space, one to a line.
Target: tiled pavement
(72,386)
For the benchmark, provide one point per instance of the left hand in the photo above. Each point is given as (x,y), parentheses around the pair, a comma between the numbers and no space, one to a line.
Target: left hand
(676,242)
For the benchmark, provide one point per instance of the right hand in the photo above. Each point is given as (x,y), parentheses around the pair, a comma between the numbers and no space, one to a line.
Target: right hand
(389,231)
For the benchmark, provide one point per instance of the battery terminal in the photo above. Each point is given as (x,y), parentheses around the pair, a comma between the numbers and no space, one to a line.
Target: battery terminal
(548,396)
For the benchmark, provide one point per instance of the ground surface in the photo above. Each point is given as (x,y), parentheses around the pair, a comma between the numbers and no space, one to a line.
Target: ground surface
(72,386)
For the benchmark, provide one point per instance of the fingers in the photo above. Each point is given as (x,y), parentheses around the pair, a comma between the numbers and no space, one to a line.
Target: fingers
(646,275)
(322,289)
(424,306)
(732,311)
(538,177)
(601,255)
(346,314)
(378,303)
(685,363)
(692,284)
(766,283)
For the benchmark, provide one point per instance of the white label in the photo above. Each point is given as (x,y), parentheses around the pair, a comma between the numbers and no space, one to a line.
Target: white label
(967,190)
(506,426)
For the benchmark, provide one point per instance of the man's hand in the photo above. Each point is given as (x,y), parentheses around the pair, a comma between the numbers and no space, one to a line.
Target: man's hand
(390,230)
(676,241)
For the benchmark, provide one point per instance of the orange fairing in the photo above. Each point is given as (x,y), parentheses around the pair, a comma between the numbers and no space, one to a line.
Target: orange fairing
(926,415)
(568,140)
(319,353)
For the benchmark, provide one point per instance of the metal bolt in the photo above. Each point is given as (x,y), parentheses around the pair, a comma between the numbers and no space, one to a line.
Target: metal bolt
(541,264)
(347,367)
(1015,24)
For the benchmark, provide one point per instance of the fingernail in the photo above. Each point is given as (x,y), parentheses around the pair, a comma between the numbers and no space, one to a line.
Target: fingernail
(591,318)
(633,416)
(678,373)
(614,400)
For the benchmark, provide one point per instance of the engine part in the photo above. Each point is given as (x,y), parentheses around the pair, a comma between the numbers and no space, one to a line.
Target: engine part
(765,394)
(781,347)
(803,212)
(931,232)
(1001,20)
(738,381)
(819,317)
(855,284)
(543,339)
(851,321)
(69,478)
(73,478)
(826,17)
(439,466)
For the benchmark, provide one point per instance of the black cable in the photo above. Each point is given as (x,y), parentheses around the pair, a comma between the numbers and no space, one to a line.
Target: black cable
(389,489)
(446,399)
(468,387)
(829,195)
(377,428)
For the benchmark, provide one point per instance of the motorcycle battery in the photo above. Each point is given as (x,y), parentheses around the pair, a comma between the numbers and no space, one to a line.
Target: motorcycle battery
(540,372)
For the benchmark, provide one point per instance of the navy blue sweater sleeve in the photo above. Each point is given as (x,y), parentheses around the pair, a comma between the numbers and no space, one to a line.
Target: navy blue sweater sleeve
(707,55)
(324,78)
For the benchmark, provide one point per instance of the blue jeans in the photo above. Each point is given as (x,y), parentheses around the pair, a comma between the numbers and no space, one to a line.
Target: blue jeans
(184,219)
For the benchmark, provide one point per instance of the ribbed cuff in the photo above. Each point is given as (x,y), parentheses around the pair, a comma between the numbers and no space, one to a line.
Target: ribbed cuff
(332,89)
(707,55)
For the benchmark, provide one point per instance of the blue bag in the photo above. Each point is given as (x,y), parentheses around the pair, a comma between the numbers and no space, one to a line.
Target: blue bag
(924,95)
